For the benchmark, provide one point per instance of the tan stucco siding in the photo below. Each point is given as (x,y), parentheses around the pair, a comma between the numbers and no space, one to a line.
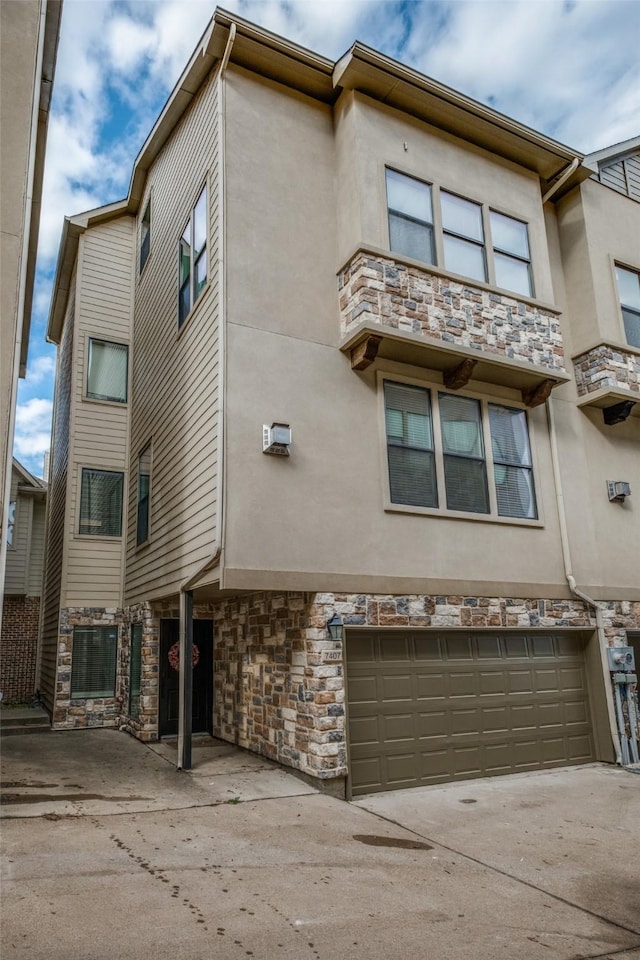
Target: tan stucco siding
(56,504)
(176,372)
(94,564)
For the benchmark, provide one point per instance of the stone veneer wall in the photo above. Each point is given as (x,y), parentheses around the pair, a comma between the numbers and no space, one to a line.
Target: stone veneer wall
(402,297)
(18,648)
(607,366)
(278,679)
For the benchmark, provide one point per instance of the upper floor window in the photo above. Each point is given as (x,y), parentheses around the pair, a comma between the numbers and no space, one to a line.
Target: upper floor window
(101,503)
(193,258)
(11,523)
(144,495)
(458,453)
(462,241)
(107,371)
(410,217)
(629,291)
(145,235)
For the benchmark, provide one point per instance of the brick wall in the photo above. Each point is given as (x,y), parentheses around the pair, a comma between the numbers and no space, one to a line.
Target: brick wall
(401,297)
(18,648)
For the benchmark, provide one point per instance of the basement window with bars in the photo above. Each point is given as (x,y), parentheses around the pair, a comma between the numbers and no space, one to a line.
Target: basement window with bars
(457,454)
(93,664)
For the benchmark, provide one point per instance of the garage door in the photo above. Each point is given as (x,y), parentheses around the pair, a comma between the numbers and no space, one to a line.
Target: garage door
(426,707)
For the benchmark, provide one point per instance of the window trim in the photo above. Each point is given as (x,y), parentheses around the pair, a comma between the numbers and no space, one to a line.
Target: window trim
(89,338)
(98,536)
(147,209)
(617,264)
(439,233)
(147,447)
(193,261)
(435,385)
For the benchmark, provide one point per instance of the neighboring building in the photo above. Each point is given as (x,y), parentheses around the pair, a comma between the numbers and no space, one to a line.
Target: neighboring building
(23,585)
(29,32)
(424,292)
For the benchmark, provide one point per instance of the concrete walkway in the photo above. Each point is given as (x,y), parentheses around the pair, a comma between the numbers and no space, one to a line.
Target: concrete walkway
(111,854)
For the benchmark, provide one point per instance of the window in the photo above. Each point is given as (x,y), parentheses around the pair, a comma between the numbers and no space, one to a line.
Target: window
(135,669)
(410,217)
(437,447)
(11,523)
(93,665)
(144,493)
(101,503)
(463,236)
(629,291)
(193,258)
(511,258)
(107,371)
(145,235)
(410,207)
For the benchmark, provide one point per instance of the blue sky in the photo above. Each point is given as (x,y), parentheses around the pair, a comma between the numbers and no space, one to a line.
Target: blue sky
(568,68)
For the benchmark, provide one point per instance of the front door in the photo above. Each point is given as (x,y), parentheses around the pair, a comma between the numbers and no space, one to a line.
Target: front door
(202,711)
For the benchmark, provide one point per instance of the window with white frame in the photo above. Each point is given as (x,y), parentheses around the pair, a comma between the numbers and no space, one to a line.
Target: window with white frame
(192,258)
(107,371)
(144,495)
(457,453)
(93,662)
(101,503)
(465,250)
(629,293)
(11,523)
(145,235)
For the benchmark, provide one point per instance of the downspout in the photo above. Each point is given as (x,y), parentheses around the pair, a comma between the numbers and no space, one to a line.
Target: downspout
(186,593)
(568,571)
(22,290)
(564,176)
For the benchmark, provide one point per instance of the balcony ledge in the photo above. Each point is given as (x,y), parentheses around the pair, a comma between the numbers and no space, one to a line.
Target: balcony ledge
(610,396)
(370,340)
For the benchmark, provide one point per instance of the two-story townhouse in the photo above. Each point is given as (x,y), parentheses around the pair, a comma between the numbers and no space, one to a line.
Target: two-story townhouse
(318,433)
(23,585)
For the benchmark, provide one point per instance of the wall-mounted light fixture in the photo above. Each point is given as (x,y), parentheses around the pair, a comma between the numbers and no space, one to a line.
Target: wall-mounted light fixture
(335,626)
(618,490)
(276,439)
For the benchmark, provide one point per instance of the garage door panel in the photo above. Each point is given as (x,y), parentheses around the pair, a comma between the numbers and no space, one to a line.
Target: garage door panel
(463,705)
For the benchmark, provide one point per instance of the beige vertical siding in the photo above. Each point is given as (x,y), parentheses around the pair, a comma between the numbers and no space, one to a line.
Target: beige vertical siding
(18,552)
(175,375)
(56,505)
(36,552)
(94,565)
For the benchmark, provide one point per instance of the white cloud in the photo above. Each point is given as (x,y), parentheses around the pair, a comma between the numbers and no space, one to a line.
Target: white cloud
(41,369)
(33,432)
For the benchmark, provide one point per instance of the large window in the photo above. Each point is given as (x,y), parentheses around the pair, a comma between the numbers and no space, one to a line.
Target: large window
(93,664)
(629,291)
(107,371)
(459,453)
(145,235)
(144,495)
(505,262)
(410,217)
(101,503)
(135,669)
(192,258)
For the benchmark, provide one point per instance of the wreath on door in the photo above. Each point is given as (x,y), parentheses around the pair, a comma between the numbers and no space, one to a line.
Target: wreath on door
(174,656)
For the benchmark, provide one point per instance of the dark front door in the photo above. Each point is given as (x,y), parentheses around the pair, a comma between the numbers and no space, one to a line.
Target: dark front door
(202,713)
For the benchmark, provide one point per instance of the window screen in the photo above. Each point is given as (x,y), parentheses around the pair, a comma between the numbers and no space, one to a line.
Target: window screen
(463,450)
(412,475)
(107,371)
(93,665)
(410,217)
(101,503)
(512,462)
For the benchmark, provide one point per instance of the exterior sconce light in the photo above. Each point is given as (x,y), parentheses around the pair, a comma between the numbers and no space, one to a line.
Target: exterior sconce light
(276,439)
(618,413)
(618,490)
(335,627)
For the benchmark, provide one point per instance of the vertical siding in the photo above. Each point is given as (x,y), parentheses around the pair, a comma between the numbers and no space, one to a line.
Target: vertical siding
(94,565)
(36,553)
(54,549)
(18,552)
(175,375)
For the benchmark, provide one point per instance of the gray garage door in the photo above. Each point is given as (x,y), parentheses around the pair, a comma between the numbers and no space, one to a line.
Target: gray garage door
(426,707)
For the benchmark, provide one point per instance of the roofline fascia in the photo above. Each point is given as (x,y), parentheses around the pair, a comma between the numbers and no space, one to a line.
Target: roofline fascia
(616,150)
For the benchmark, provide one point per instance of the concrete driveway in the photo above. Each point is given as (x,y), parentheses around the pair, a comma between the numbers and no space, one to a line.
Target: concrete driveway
(109,852)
